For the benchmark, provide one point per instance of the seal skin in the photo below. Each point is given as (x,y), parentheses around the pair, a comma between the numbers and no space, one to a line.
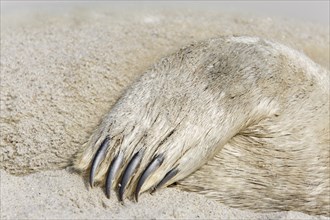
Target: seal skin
(240,119)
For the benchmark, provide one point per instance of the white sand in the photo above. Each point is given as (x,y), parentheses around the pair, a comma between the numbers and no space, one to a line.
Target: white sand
(61,72)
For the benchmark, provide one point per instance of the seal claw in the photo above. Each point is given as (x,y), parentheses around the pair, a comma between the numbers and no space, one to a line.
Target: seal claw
(99,156)
(166,178)
(113,169)
(129,170)
(155,163)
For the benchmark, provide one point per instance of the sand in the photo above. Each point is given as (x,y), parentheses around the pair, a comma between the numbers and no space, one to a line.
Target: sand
(61,195)
(62,71)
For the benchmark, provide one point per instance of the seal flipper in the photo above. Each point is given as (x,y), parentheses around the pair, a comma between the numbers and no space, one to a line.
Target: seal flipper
(186,108)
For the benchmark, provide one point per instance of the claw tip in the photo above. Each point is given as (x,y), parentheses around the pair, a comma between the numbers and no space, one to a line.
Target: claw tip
(136,197)
(91,182)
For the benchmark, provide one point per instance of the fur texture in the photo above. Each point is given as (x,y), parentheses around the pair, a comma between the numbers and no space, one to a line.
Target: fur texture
(241,119)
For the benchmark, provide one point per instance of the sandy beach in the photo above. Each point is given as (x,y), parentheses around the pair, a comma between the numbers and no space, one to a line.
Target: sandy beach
(62,71)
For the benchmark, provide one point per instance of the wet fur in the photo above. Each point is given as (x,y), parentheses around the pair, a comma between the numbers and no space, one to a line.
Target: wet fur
(241,119)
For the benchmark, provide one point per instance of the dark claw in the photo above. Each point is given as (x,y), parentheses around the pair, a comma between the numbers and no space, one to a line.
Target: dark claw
(113,169)
(166,178)
(99,156)
(130,169)
(156,162)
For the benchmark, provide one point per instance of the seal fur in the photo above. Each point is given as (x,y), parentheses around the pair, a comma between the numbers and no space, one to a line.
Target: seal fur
(239,119)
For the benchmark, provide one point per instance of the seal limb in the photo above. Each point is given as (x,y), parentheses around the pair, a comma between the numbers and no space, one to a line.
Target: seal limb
(189,105)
